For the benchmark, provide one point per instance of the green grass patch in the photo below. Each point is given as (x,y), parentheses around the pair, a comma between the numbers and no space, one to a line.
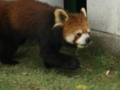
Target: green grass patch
(31,74)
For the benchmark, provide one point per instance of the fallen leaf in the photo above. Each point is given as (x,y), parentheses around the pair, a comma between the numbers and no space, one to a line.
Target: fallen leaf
(107,72)
(80,86)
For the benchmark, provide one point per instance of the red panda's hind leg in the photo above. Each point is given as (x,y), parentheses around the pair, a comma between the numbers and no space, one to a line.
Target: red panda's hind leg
(6,54)
(7,51)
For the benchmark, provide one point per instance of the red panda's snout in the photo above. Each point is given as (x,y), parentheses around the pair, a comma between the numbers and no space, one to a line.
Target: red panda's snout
(80,39)
(83,41)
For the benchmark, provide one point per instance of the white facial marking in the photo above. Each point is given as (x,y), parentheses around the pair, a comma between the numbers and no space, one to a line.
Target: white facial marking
(79,46)
(79,31)
(88,30)
(82,40)
(70,38)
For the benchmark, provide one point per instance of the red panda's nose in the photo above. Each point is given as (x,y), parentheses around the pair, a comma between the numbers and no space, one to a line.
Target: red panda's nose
(88,40)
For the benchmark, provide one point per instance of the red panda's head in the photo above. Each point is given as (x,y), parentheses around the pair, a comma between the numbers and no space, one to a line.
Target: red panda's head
(76,29)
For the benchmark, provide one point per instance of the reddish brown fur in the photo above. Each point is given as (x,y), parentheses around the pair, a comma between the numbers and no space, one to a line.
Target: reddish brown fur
(22,15)
(76,22)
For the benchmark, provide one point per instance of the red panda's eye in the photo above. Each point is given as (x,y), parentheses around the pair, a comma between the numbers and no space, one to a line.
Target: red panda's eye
(88,32)
(79,34)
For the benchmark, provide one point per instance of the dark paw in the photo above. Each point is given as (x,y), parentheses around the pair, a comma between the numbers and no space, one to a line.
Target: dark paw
(70,63)
(10,62)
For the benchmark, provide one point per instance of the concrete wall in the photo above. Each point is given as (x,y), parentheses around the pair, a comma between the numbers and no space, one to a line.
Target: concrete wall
(118,16)
(104,19)
(54,2)
(104,15)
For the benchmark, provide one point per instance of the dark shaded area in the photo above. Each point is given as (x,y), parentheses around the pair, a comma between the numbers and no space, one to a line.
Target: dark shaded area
(74,5)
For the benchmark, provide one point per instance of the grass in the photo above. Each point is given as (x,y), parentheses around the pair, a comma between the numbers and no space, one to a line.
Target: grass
(30,74)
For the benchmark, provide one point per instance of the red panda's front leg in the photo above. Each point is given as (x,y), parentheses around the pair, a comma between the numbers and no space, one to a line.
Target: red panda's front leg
(50,52)
(53,58)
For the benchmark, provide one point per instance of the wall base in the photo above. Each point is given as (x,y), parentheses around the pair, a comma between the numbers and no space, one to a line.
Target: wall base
(109,43)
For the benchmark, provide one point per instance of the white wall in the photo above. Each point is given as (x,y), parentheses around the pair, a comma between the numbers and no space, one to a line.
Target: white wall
(54,2)
(118,16)
(104,15)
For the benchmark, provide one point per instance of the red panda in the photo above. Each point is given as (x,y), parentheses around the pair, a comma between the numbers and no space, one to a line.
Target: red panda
(49,26)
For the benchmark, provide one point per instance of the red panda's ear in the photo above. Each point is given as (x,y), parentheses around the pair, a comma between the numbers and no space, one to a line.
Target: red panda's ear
(84,11)
(60,17)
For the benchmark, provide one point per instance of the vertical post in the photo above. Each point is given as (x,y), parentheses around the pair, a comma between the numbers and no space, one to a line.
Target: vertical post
(73,6)
(81,3)
(67,5)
